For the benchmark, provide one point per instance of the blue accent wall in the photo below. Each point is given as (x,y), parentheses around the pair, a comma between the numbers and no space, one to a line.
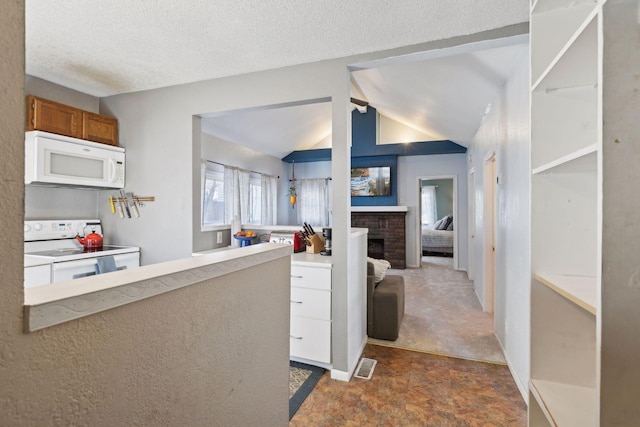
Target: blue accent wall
(363,143)
(365,152)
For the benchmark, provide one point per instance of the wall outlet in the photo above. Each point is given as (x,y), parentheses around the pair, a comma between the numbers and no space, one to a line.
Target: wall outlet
(219,237)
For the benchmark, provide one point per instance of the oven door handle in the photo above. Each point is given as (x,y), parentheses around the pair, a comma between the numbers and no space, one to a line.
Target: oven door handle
(76,263)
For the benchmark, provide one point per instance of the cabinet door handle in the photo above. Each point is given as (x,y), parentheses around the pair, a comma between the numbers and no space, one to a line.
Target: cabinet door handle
(297,277)
(296,302)
(295,338)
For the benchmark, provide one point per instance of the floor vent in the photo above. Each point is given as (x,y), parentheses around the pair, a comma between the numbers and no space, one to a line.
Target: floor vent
(365,368)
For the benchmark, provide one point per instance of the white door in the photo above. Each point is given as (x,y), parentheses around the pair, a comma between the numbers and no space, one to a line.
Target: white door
(489,232)
(472,222)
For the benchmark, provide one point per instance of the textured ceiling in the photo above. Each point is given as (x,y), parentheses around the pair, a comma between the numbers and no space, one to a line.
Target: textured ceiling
(108,47)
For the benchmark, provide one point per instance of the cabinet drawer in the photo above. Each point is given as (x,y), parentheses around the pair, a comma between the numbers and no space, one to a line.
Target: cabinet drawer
(310,277)
(311,303)
(310,339)
(37,275)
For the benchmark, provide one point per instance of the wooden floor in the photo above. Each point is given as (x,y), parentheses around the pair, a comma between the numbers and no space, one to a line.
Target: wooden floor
(410,388)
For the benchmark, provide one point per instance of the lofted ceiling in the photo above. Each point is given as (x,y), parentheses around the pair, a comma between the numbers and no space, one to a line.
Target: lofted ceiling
(276,131)
(445,98)
(119,46)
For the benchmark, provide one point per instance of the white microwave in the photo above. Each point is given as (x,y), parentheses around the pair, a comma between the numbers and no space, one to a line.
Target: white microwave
(59,160)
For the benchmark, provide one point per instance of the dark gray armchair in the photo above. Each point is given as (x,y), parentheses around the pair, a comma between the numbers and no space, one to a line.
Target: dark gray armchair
(385,305)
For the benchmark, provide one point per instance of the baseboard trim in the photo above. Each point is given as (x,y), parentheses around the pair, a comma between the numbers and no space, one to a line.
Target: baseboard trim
(353,364)
(340,375)
(524,391)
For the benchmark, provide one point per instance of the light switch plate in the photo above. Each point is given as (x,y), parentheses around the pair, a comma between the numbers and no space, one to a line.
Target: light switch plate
(219,237)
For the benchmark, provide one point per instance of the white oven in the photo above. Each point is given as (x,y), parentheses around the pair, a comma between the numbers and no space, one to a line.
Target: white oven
(52,254)
(67,270)
(52,159)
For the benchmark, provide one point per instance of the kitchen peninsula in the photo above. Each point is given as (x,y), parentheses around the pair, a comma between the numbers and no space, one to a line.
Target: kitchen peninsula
(61,302)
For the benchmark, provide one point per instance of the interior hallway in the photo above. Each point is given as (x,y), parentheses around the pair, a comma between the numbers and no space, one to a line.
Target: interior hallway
(411,388)
(443,314)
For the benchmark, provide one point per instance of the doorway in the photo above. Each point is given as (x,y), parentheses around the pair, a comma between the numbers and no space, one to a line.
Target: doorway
(489,252)
(437,223)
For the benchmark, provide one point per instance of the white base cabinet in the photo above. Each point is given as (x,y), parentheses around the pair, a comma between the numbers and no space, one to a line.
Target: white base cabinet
(310,331)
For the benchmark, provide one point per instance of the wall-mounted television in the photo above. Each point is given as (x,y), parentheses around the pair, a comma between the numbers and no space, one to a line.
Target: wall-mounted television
(372,181)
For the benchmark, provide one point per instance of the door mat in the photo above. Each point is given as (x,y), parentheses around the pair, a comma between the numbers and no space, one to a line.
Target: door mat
(365,368)
(302,379)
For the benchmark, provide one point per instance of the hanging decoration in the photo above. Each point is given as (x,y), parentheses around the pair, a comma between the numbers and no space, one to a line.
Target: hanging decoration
(293,196)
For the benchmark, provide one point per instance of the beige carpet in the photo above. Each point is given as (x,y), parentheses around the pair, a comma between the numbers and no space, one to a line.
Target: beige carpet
(443,314)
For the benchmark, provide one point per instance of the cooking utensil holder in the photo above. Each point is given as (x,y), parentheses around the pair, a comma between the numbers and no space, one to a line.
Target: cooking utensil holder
(316,246)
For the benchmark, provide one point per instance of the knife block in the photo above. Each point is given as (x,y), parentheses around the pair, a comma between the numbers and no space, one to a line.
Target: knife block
(317,245)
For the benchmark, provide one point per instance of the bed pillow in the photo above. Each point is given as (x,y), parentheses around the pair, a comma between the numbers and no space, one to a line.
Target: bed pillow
(448,222)
(380,267)
(438,224)
(450,227)
(445,222)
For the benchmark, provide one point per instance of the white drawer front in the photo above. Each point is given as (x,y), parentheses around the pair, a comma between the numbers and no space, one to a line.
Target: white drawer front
(311,303)
(310,339)
(310,277)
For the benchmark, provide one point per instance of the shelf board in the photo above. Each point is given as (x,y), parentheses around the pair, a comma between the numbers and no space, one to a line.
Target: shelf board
(540,6)
(582,155)
(565,404)
(580,43)
(581,290)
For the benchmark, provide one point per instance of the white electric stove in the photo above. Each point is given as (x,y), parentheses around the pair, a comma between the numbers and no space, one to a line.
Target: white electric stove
(52,254)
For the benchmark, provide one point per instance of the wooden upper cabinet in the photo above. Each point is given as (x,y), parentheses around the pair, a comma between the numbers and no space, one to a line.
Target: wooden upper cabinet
(99,128)
(50,116)
(53,117)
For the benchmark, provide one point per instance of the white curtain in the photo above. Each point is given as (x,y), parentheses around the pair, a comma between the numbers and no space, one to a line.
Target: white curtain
(429,207)
(236,194)
(312,202)
(269,212)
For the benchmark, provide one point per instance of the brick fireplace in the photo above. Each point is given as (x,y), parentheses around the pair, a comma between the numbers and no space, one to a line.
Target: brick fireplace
(386,237)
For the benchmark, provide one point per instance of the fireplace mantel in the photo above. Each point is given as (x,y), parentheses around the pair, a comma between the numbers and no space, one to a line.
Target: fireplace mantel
(379,208)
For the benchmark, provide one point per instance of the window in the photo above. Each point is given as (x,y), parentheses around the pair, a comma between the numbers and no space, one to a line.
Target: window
(213,198)
(255,199)
(228,192)
(429,206)
(313,206)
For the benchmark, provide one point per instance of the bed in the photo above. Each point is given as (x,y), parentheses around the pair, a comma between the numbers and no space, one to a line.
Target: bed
(438,241)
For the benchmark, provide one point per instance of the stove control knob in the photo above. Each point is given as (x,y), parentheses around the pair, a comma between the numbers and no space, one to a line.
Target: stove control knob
(37,226)
(27,228)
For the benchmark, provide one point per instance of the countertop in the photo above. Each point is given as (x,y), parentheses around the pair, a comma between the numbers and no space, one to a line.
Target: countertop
(56,303)
(32,261)
(304,259)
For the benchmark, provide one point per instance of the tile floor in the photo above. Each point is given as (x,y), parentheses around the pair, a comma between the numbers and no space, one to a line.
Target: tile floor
(411,388)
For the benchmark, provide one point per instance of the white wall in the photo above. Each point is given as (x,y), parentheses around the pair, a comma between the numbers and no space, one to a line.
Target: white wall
(410,169)
(53,92)
(506,130)
(163,152)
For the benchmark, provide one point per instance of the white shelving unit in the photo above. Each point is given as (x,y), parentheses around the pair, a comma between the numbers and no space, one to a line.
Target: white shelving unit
(585,126)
